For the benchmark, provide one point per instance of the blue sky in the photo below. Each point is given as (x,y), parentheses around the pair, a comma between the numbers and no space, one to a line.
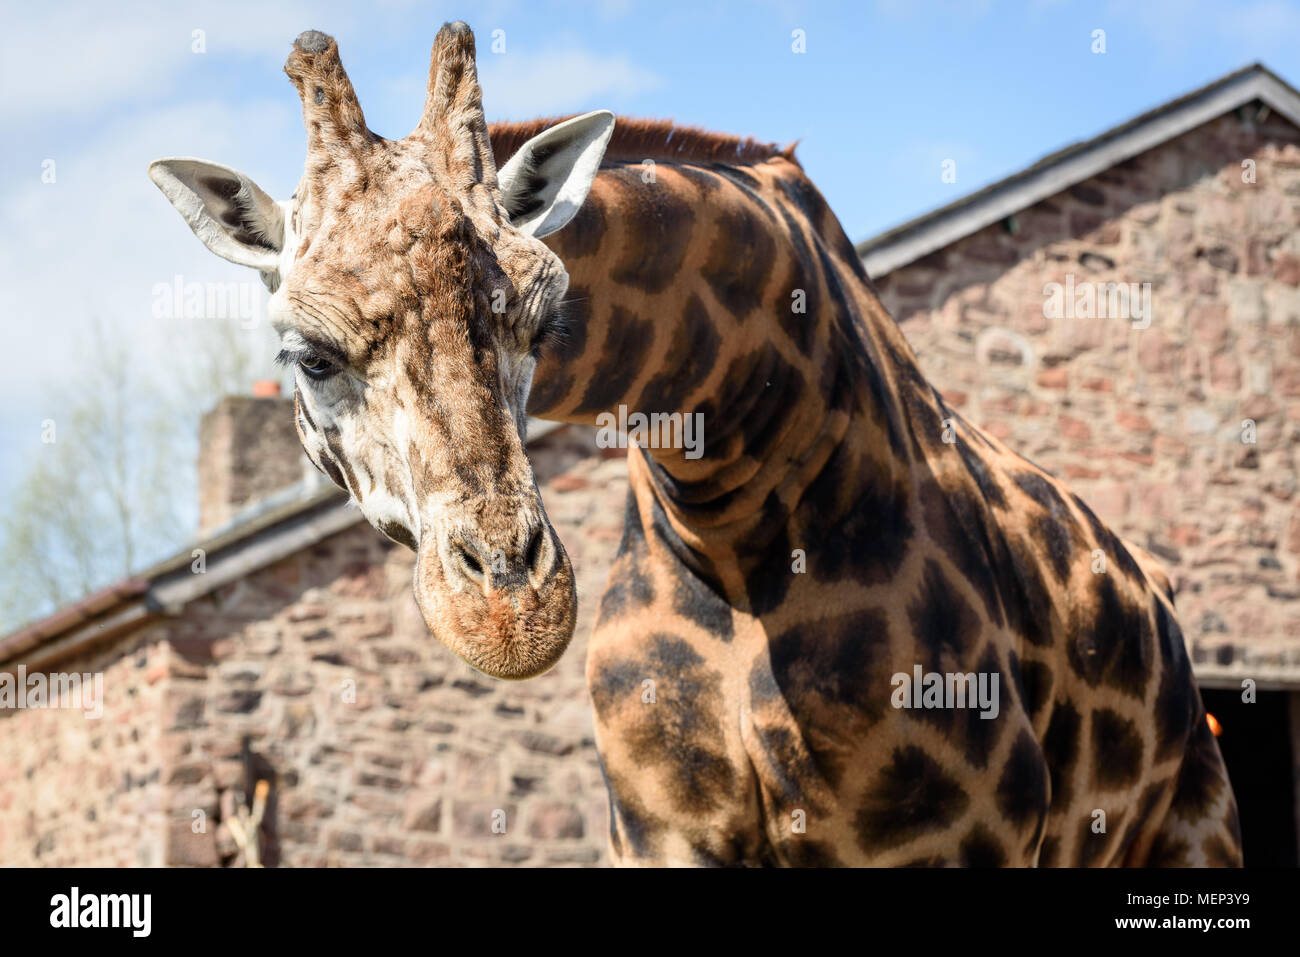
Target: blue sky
(884,94)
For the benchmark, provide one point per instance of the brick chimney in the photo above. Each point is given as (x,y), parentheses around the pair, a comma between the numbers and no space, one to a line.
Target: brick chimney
(248,449)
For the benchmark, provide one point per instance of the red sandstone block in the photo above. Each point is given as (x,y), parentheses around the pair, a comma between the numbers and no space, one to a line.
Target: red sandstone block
(1286,268)
(1082,222)
(1170,448)
(182,710)
(573,855)
(1133,421)
(428,852)
(555,821)
(423,812)
(1156,353)
(1225,372)
(1055,378)
(998,429)
(1075,429)
(1109,501)
(1286,380)
(568,483)
(1110,233)
(345,841)
(1258,407)
(1081,335)
(1257,263)
(1293,532)
(361,580)
(483,820)
(1209,322)
(393,846)
(1139,458)
(187,849)
(477,775)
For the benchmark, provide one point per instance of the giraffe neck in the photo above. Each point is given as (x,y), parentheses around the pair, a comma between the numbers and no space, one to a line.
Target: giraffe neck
(731,294)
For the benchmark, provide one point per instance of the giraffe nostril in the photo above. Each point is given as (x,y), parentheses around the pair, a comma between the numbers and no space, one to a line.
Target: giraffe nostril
(533,554)
(499,570)
(469,563)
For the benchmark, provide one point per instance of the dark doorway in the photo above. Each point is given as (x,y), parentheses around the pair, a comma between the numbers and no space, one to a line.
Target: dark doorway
(1256,743)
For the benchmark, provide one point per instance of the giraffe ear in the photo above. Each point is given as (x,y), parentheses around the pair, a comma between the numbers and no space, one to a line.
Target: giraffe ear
(227,211)
(545,183)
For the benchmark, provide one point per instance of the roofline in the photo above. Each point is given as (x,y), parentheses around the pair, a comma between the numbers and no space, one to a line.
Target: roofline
(1229,678)
(274,528)
(70,616)
(164,589)
(910,241)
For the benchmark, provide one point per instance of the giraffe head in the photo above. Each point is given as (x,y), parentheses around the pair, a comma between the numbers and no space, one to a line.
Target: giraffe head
(411,293)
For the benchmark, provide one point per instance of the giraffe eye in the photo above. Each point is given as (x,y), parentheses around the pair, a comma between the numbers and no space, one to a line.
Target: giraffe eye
(314,366)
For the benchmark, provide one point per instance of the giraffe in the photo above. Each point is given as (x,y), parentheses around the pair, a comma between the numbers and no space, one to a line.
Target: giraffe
(840,535)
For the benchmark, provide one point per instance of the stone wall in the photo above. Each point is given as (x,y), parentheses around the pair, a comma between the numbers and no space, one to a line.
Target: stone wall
(83,791)
(1147,424)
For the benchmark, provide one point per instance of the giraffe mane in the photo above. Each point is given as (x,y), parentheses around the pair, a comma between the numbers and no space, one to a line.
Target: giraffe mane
(638,139)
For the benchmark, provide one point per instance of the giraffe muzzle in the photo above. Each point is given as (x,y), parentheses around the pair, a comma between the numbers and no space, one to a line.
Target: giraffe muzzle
(507,607)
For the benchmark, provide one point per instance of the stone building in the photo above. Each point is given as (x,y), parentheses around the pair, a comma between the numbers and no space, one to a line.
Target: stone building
(1172,405)
(286,646)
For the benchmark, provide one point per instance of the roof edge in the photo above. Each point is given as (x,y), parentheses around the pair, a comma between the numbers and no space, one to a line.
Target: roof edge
(904,244)
(165,589)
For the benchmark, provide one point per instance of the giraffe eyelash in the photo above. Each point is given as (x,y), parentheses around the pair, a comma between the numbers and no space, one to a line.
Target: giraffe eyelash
(311,349)
(315,363)
(292,357)
(545,335)
(552,329)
